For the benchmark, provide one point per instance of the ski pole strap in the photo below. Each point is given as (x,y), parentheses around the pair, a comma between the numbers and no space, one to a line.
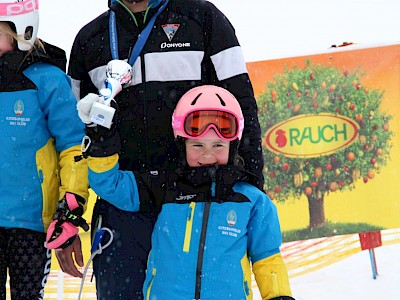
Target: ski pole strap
(141,41)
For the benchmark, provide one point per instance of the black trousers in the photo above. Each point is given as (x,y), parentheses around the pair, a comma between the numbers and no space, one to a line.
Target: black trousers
(28,262)
(120,268)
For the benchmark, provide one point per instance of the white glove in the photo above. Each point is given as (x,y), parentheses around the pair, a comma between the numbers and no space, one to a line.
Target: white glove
(85,105)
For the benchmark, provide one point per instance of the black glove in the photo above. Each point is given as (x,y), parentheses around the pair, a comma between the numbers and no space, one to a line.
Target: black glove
(282,298)
(101,141)
(68,217)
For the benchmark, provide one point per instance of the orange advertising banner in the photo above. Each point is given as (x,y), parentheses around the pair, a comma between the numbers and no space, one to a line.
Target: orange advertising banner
(330,125)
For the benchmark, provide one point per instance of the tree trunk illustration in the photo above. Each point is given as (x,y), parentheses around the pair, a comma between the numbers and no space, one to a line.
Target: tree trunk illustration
(316,210)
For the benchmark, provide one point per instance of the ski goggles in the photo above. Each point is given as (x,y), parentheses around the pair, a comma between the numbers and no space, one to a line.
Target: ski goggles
(197,123)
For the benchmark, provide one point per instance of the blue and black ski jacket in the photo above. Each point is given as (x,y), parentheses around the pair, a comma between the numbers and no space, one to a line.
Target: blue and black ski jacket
(212,226)
(41,136)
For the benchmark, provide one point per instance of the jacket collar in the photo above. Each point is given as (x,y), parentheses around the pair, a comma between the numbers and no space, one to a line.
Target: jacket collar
(17,61)
(224,177)
(125,18)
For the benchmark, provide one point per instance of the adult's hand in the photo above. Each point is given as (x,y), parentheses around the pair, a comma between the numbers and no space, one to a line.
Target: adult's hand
(70,257)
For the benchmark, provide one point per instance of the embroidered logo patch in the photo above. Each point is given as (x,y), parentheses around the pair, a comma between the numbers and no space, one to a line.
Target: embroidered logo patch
(231,218)
(19,108)
(170,30)
(17,119)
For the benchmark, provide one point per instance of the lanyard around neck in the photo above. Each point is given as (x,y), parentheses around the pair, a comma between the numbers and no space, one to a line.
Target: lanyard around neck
(141,41)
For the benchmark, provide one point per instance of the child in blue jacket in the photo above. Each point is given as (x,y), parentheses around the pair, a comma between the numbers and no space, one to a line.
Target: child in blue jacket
(213,224)
(41,164)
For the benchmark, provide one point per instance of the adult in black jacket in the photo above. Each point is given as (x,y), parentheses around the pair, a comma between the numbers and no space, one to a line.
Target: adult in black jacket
(191,43)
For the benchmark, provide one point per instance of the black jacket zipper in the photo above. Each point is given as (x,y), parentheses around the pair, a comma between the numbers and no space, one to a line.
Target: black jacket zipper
(200,256)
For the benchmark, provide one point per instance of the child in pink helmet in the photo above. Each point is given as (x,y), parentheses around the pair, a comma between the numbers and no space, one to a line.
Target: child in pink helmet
(212,225)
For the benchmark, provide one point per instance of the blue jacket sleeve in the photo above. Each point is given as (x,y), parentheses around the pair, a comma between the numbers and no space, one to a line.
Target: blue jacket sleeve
(264,241)
(58,109)
(113,185)
(265,236)
(58,104)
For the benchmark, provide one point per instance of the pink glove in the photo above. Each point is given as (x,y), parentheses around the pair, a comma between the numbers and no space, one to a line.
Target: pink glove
(68,217)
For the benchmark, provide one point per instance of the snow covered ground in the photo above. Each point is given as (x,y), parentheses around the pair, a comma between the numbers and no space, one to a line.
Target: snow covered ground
(351,278)
(348,279)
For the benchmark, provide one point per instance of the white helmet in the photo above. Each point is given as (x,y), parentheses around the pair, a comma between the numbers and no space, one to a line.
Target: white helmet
(24,15)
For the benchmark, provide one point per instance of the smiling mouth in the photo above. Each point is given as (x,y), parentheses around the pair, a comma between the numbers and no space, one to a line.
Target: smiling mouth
(207,165)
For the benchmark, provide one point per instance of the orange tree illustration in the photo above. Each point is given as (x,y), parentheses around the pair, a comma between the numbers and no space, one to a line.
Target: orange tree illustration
(317,90)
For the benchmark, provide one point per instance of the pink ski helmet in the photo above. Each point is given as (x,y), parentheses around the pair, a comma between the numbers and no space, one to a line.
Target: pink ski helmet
(205,107)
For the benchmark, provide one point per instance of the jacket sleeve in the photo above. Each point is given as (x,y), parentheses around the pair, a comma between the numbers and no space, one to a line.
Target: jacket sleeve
(81,82)
(74,173)
(231,73)
(264,241)
(272,277)
(113,185)
(59,107)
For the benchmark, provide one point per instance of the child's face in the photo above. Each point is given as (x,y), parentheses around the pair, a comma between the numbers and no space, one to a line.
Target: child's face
(210,150)
(6,44)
